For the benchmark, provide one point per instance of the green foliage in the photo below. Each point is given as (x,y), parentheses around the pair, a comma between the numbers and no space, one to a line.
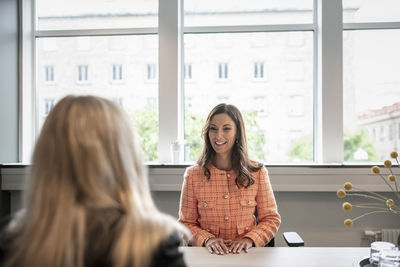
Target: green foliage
(255,136)
(146,122)
(358,140)
(301,150)
(193,136)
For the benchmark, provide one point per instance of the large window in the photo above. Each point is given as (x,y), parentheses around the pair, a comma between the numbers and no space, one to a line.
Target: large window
(371,79)
(236,51)
(98,57)
(316,80)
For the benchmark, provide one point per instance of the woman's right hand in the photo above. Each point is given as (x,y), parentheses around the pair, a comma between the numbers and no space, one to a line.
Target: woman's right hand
(217,246)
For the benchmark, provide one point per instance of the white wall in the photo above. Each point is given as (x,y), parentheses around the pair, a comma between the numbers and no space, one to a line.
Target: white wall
(317,216)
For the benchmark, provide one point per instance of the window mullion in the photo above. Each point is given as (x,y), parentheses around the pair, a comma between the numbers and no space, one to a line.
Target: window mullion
(330,82)
(169,89)
(27,96)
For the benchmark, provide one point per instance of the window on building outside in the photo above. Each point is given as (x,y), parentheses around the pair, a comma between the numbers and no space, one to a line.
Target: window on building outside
(48,105)
(49,74)
(382,133)
(187,71)
(117,72)
(222,71)
(151,72)
(258,70)
(83,73)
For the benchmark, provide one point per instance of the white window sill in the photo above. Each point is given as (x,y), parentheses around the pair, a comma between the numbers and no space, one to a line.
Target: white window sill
(305,178)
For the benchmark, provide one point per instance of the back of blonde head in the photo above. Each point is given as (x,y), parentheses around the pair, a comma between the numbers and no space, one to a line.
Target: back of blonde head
(87,171)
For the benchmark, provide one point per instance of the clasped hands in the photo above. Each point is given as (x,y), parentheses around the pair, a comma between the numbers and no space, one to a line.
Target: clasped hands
(220,246)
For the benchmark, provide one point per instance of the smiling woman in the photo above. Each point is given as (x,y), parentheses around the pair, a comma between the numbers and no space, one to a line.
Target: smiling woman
(223,190)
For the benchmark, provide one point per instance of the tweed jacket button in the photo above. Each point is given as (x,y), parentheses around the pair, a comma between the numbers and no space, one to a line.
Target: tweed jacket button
(249,202)
(228,175)
(226,218)
(226,196)
(247,228)
(205,204)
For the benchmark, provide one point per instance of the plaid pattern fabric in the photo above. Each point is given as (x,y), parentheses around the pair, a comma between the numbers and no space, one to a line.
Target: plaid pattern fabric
(218,208)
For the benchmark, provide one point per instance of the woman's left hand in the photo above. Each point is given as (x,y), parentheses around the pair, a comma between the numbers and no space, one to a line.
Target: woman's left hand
(239,245)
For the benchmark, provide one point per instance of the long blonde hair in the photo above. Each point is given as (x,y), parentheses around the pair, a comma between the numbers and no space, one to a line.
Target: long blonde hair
(87,180)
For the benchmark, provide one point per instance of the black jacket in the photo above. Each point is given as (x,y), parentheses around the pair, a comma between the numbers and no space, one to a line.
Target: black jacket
(166,255)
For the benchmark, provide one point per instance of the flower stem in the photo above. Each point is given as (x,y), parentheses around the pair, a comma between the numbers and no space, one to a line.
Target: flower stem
(370,207)
(372,212)
(396,193)
(378,196)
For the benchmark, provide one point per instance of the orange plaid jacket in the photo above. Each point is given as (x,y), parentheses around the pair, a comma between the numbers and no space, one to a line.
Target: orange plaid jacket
(218,208)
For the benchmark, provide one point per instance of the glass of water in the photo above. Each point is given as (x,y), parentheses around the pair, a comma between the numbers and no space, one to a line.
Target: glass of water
(389,258)
(376,248)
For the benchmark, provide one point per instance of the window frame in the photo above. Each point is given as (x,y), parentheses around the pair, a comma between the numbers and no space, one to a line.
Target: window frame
(117,73)
(223,71)
(49,74)
(328,71)
(259,71)
(82,76)
(48,106)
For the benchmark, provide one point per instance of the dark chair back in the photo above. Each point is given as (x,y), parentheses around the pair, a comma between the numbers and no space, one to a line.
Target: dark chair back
(271,243)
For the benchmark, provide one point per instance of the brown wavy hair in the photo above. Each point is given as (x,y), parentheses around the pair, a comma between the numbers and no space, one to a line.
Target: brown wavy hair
(240,159)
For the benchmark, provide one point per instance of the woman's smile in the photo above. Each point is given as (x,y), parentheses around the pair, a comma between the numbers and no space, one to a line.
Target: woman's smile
(222,134)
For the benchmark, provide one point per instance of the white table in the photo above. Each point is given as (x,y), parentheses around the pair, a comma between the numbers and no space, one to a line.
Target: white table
(278,257)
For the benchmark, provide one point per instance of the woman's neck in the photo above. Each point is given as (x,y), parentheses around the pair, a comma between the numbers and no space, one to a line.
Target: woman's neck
(223,162)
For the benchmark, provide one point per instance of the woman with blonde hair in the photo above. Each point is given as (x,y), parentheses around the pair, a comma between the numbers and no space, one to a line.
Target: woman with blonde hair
(88,202)
(222,192)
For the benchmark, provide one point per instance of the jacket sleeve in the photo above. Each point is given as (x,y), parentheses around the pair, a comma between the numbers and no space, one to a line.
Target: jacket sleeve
(168,254)
(268,217)
(188,213)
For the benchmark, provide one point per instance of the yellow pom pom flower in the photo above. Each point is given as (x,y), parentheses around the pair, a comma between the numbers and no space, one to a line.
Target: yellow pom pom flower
(376,170)
(348,186)
(341,193)
(348,222)
(389,202)
(394,155)
(347,206)
(387,163)
(392,178)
